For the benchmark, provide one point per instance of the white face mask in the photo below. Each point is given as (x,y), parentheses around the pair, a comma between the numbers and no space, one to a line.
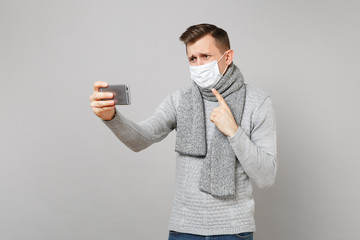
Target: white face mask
(207,75)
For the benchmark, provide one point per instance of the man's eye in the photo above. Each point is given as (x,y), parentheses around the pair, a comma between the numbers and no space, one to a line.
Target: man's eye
(206,56)
(192,59)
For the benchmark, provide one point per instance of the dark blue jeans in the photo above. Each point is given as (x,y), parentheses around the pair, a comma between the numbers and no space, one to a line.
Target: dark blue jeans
(186,236)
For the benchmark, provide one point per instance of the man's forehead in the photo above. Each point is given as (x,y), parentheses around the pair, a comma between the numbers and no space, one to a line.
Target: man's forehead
(203,45)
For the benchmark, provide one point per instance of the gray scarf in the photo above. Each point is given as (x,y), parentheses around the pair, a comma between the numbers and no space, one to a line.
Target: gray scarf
(218,172)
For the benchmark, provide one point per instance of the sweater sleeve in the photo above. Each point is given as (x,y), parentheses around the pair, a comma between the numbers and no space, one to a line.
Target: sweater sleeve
(138,136)
(257,154)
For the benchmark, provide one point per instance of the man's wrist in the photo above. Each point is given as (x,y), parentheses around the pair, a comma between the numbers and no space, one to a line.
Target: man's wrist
(233,132)
(112,117)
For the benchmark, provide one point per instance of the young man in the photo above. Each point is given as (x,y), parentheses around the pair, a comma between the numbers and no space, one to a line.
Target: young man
(226,136)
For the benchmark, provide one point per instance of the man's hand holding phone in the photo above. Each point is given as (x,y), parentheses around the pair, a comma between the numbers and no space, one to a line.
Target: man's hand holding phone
(102,103)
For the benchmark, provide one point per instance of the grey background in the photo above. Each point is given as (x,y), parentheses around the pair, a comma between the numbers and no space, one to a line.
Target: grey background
(64,175)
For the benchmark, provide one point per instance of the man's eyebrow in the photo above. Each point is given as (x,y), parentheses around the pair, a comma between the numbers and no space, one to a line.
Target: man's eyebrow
(201,54)
(192,56)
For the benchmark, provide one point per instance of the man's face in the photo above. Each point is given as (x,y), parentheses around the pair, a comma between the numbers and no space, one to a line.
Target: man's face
(205,51)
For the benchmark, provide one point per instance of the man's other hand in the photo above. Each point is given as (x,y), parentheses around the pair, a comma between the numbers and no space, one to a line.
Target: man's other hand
(222,116)
(104,109)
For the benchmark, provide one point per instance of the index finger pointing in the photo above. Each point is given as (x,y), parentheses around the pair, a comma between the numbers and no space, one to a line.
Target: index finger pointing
(218,96)
(99,84)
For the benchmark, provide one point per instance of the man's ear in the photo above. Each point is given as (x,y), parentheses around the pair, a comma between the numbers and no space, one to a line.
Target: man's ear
(229,57)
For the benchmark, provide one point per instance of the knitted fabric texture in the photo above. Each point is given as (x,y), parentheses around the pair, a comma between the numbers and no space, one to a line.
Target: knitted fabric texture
(218,172)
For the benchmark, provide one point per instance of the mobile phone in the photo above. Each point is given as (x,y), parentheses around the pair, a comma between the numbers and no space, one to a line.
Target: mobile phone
(121,93)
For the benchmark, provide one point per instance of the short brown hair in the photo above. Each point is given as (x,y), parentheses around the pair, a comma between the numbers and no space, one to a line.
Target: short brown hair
(195,32)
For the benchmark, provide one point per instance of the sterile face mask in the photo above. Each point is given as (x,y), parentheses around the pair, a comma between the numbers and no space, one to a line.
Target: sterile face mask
(207,75)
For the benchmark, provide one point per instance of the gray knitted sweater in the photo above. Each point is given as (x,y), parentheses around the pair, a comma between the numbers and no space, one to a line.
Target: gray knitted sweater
(254,145)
